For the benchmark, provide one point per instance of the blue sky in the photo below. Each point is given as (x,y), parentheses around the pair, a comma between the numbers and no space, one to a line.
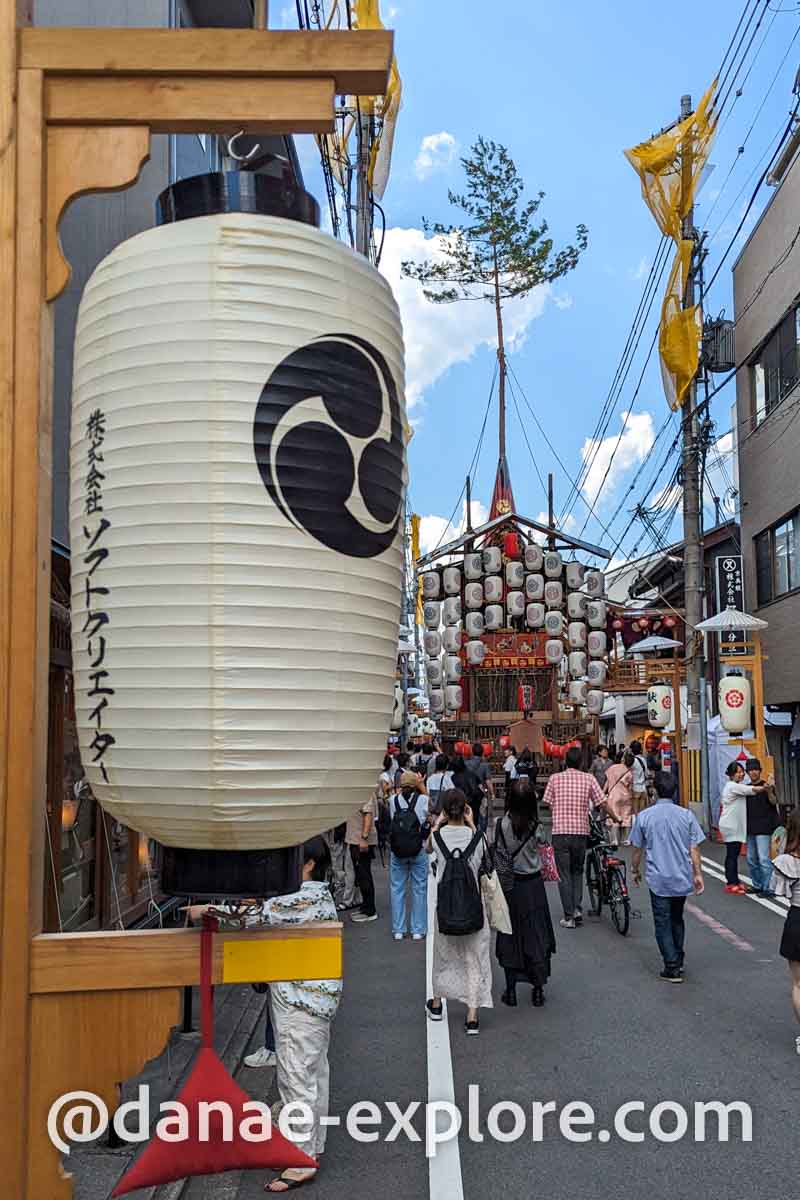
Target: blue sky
(566,87)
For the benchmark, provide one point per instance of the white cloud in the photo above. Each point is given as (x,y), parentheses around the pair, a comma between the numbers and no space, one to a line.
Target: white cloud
(288,17)
(438,336)
(639,271)
(436,152)
(437,531)
(563,302)
(568,525)
(616,454)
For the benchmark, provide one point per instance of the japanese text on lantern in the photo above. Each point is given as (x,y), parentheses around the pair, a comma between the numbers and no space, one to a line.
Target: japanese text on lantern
(95,559)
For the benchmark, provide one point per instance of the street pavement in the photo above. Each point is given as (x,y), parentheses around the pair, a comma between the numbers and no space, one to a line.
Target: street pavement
(610,1033)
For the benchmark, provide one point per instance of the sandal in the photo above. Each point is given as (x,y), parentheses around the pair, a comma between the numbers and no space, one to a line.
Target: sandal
(290,1184)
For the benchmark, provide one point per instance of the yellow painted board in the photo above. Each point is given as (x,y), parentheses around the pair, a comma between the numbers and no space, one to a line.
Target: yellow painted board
(246,960)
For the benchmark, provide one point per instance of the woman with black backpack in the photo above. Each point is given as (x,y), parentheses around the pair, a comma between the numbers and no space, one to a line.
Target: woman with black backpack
(524,954)
(462,967)
(408,862)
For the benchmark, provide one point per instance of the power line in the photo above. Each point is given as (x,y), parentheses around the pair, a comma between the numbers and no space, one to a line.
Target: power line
(527,442)
(472,464)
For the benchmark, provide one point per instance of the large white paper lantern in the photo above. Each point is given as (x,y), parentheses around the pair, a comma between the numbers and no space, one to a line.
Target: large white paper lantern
(451,580)
(734,703)
(452,668)
(431,585)
(554,624)
(534,587)
(515,575)
(577,692)
(473,565)
(437,700)
(597,614)
(595,702)
(659,705)
(451,639)
(493,589)
(432,641)
(451,610)
(594,584)
(554,651)
(237,480)
(596,673)
(553,594)
(432,614)
(476,653)
(576,606)
(433,670)
(577,664)
(492,560)
(473,595)
(597,643)
(474,624)
(576,633)
(534,558)
(515,604)
(493,615)
(553,564)
(453,697)
(575,575)
(534,616)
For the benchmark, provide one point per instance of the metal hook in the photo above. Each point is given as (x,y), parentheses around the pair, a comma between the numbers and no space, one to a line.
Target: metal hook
(231,153)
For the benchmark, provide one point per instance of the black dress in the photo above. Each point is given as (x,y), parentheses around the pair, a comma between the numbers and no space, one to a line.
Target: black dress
(524,954)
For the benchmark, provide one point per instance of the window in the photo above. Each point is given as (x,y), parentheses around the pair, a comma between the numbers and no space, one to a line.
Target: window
(775,370)
(778,559)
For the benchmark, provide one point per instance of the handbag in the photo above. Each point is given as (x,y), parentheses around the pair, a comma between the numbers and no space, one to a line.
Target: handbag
(494,900)
(547,857)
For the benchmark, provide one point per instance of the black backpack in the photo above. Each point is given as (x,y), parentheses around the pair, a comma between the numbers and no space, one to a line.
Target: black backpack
(459,907)
(405,836)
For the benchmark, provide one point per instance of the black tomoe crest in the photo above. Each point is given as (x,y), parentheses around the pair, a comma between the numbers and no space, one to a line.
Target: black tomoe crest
(329,444)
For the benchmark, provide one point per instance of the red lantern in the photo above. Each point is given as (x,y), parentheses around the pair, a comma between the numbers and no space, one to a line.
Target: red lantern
(511,545)
(487,749)
(644,622)
(526,697)
(618,624)
(505,742)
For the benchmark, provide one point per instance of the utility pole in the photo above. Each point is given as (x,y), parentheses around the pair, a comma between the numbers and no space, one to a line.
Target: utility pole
(692,538)
(363,198)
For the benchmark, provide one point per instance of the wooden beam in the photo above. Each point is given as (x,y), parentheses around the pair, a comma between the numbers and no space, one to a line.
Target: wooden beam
(164,958)
(357,60)
(186,104)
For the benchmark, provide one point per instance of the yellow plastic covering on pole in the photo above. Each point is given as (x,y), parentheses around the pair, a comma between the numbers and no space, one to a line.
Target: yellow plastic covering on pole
(669,167)
(415,552)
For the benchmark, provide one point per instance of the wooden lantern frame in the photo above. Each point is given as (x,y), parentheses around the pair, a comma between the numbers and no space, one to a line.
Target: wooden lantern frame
(77,108)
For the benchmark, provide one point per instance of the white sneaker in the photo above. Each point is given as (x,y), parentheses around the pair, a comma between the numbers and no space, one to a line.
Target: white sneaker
(261,1058)
(420,937)
(398,937)
(362,918)
(567,923)
(797,1044)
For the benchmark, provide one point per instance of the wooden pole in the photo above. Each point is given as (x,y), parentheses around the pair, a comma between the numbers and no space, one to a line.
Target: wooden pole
(676,709)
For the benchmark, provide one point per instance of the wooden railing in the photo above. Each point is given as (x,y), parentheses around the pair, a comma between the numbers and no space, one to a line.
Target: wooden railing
(636,675)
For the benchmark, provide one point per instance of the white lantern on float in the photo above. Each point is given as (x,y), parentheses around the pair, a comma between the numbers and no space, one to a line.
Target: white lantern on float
(451,639)
(597,644)
(473,565)
(553,564)
(432,614)
(437,700)
(453,697)
(596,673)
(597,614)
(452,668)
(515,575)
(534,616)
(534,558)
(432,641)
(433,670)
(397,709)
(734,703)
(515,604)
(492,560)
(476,653)
(577,664)
(553,594)
(577,692)
(451,578)
(554,651)
(659,705)
(534,587)
(474,624)
(473,595)
(594,584)
(431,585)
(493,589)
(493,615)
(595,702)
(575,574)
(576,606)
(576,633)
(239,378)
(554,624)
(414,725)
(451,610)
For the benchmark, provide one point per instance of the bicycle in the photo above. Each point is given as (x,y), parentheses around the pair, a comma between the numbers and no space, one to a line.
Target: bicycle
(607,879)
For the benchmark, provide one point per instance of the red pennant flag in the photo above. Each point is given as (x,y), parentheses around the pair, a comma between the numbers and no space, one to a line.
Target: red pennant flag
(503,496)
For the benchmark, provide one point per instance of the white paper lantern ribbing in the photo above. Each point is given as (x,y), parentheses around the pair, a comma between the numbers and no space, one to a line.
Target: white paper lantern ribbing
(433,670)
(474,624)
(451,639)
(432,614)
(577,664)
(451,580)
(534,616)
(659,705)
(575,574)
(493,615)
(596,673)
(397,710)
(473,595)
(452,668)
(553,594)
(554,624)
(437,700)
(576,606)
(594,584)
(451,610)
(597,614)
(554,651)
(476,653)
(492,560)
(432,641)
(597,644)
(577,692)
(493,589)
(534,558)
(553,564)
(595,702)
(515,604)
(473,565)
(237,480)
(734,703)
(453,697)
(431,585)
(534,587)
(576,633)
(515,575)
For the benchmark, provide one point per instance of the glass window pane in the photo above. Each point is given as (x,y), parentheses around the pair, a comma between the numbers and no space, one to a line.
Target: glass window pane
(763,568)
(783,553)
(759,394)
(794,565)
(771,361)
(788,350)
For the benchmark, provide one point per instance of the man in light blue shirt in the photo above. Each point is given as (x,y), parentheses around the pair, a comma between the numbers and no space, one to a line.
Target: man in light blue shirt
(670,836)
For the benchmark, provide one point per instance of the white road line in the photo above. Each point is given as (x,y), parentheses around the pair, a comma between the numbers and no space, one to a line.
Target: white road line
(444,1167)
(713,868)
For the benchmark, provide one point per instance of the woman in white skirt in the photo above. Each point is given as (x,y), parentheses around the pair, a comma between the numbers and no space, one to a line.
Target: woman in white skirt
(462,965)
